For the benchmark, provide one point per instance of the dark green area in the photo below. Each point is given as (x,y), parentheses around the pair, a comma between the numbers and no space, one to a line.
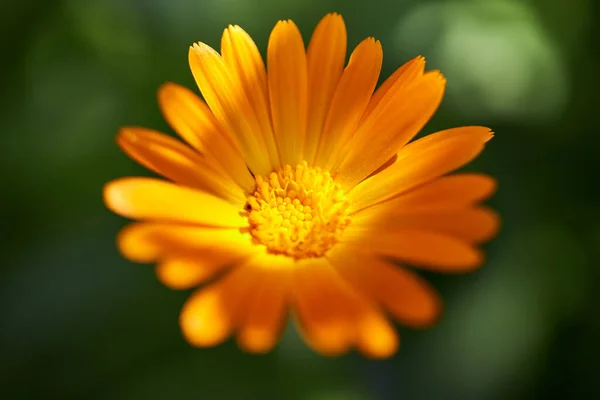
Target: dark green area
(79,322)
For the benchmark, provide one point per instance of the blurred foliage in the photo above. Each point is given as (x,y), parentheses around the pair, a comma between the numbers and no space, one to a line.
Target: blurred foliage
(77,321)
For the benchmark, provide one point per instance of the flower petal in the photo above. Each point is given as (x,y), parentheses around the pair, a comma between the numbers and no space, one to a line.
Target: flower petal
(227,99)
(326,56)
(206,318)
(398,117)
(191,118)
(326,308)
(260,328)
(241,54)
(420,162)
(409,298)
(154,199)
(288,87)
(151,241)
(162,154)
(190,270)
(419,248)
(350,100)
(376,336)
(177,162)
(474,225)
(404,75)
(446,193)
(210,315)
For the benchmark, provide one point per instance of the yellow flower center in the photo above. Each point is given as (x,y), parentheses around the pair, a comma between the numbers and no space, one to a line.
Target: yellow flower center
(300,212)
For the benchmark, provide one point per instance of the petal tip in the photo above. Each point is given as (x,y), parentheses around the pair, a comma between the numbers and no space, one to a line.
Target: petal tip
(476,261)
(437,75)
(284,23)
(373,40)
(166,85)
(111,194)
(255,341)
(200,48)
(126,134)
(420,61)
(133,245)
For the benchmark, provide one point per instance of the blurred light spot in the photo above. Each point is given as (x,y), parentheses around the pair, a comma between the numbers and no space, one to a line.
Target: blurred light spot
(498,59)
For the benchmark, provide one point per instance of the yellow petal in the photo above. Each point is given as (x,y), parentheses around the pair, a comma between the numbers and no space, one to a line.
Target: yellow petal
(227,99)
(241,54)
(191,118)
(419,248)
(210,315)
(206,317)
(399,116)
(154,199)
(288,87)
(150,241)
(474,225)
(326,56)
(350,100)
(260,328)
(404,294)
(174,160)
(420,162)
(190,270)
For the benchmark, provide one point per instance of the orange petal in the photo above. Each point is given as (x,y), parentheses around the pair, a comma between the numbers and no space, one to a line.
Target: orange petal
(227,99)
(474,225)
(162,154)
(190,270)
(260,328)
(446,193)
(326,309)
(420,162)
(401,77)
(149,241)
(210,315)
(403,293)
(376,337)
(148,198)
(420,248)
(398,117)
(288,87)
(241,54)
(191,118)
(326,57)
(350,100)
(174,160)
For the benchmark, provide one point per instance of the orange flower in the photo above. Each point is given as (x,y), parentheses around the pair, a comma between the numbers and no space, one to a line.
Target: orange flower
(298,190)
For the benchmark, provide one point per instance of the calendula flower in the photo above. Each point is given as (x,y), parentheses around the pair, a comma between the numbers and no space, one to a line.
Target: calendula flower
(298,193)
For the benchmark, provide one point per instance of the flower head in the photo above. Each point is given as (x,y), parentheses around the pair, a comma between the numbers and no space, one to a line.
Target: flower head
(299,192)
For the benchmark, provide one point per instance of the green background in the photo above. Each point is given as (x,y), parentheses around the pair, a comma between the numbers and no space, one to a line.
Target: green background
(79,322)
